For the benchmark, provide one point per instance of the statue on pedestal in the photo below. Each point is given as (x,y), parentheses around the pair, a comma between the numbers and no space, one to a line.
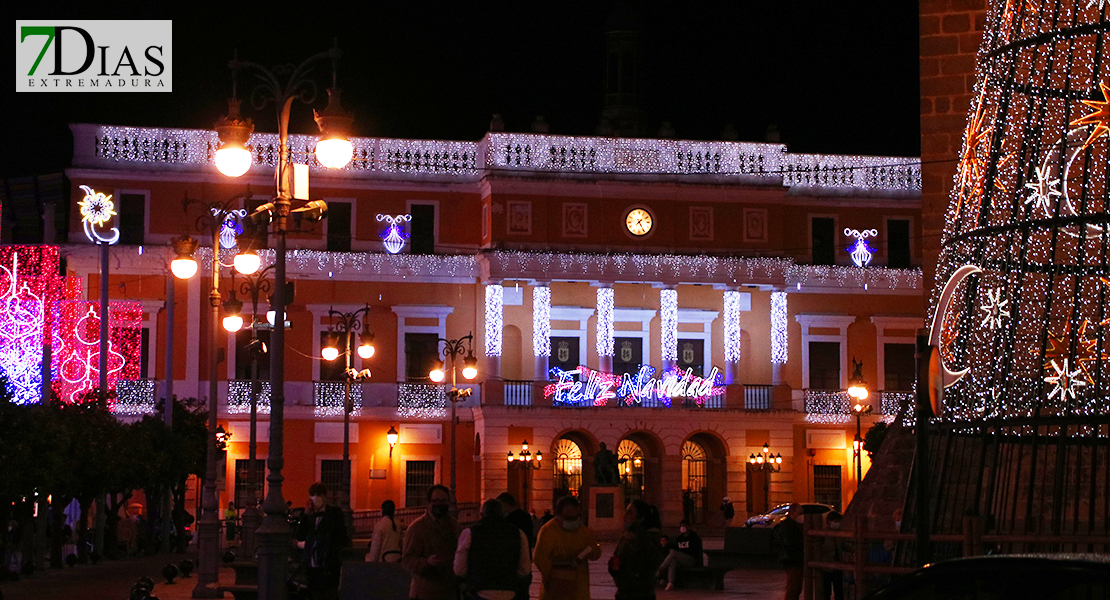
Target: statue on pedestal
(605,467)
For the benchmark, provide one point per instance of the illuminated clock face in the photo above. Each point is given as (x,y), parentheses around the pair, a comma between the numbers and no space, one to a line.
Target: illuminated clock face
(638,221)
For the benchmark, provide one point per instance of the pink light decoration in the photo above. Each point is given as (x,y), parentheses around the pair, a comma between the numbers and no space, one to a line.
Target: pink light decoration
(76,347)
(29,284)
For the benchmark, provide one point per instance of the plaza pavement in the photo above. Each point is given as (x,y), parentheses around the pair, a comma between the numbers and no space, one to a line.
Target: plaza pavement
(112,580)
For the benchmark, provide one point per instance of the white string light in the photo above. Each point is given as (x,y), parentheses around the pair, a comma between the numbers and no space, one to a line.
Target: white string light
(668,323)
(541,321)
(330,395)
(827,407)
(732,326)
(779,331)
(495,297)
(421,401)
(239,397)
(605,321)
(134,397)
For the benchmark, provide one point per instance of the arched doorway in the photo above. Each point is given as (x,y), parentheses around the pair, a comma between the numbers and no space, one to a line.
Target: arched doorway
(704,477)
(645,479)
(630,458)
(568,468)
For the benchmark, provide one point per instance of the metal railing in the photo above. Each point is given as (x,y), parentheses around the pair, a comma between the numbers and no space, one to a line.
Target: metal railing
(364,520)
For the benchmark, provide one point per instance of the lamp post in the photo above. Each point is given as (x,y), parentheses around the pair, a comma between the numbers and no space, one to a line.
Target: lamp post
(184,267)
(768,463)
(281,85)
(248,264)
(391,437)
(857,390)
(452,349)
(525,463)
(348,323)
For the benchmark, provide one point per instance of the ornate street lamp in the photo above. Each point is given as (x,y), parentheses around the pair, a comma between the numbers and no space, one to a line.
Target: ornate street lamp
(347,325)
(282,85)
(526,463)
(768,463)
(391,438)
(452,350)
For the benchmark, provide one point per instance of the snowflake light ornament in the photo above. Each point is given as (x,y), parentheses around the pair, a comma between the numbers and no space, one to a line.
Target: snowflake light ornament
(1065,380)
(97,209)
(1043,190)
(995,309)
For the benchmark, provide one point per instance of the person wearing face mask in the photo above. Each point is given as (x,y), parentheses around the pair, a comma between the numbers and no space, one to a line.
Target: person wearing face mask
(791,542)
(429,549)
(832,582)
(563,545)
(322,535)
(638,554)
(684,552)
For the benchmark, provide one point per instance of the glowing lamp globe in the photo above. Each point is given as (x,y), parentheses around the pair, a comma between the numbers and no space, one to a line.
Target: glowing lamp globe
(233,323)
(470,368)
(233,160)
(183,267)
(391,436)
(437,373)
(333,153)
(247,262)
(366,350)
(271,317)
(330,353)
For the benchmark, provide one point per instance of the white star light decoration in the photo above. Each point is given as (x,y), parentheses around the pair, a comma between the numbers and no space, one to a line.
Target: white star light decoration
(1065,380)
(1043,190)
(995,309)
(1101,3)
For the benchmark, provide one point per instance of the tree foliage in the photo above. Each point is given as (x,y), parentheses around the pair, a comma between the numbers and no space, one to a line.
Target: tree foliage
(874,437)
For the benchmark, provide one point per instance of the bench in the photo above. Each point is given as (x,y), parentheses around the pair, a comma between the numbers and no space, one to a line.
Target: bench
(374,581)
(701,578)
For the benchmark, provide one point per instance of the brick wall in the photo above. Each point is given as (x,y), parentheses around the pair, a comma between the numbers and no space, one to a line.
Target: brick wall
(951,31)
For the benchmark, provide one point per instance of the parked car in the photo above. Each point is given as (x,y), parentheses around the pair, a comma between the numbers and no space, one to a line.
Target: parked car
(1006,577)
(777,514)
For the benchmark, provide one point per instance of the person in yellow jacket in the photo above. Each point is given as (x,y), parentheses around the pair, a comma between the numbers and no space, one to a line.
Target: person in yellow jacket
(563,546)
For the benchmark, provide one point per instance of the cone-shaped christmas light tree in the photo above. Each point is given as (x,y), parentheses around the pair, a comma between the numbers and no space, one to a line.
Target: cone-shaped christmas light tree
(1021,312)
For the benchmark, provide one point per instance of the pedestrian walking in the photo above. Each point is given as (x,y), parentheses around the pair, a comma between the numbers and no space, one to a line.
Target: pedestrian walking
(832,582)
(638,554)
(517,516)
(563,545)
(385,543)
(684,552)
(727,511)
(322,535)
(492,557)
(231,517)
(429,548)
(791,543)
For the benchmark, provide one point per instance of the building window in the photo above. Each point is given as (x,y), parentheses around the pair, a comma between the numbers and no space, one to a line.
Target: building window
(421,354)
(244,496)
(899,367)
(628,355)
(419,476)
(243,355)
(132,219)
(333,370)
(898,243)
(826,485)
(339,226)
(823,237)
(691,355)
(568,468)
(422,229)
(144,357)
(331,475)
(824,365)
(564,353)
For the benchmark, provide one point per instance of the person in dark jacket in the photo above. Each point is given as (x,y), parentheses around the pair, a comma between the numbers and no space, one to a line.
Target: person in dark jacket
(517,516)
(492,557)
(791,541)
(638,555)
(322,535)
(684,552)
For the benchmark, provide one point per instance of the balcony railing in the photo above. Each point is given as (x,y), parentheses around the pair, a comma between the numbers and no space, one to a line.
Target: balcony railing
(239,397)
(889,404)
(518,393)
(329,398)
(827,406)
(758,396)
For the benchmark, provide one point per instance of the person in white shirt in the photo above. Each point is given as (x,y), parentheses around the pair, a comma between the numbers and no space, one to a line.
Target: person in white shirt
(385,545)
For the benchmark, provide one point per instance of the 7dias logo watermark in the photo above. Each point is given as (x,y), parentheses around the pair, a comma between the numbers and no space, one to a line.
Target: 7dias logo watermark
(93,56)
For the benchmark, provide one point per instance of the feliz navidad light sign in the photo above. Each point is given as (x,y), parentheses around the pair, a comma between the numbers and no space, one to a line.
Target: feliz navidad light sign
(598,388)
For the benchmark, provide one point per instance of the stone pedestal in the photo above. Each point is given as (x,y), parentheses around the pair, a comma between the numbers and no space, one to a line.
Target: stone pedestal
(605,507)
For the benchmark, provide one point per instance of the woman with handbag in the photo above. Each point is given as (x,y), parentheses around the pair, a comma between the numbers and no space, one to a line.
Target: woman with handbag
(563,546)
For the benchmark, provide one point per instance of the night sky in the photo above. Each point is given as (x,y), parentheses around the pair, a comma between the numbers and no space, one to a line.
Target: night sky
(835,77)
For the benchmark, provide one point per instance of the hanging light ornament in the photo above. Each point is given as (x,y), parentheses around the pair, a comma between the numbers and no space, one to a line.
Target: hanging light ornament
(393,238)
